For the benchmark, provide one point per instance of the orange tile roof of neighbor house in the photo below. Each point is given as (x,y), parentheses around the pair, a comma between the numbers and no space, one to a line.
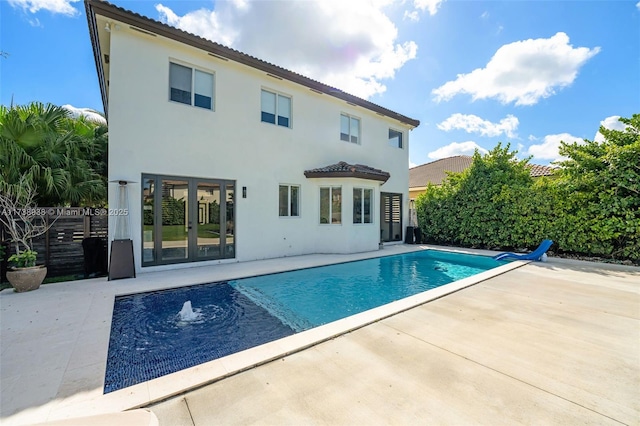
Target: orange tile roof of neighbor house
(436,171)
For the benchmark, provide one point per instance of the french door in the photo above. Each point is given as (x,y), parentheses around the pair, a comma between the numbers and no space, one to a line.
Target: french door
(187,219)
(390,216)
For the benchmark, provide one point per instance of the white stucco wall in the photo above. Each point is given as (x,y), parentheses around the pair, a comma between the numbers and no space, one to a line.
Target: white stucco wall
(150,134)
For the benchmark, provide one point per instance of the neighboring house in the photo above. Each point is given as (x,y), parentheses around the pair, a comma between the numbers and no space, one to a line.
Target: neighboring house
(436,172)
(232,158)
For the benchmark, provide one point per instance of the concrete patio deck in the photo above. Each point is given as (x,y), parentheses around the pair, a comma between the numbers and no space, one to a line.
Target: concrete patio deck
(557,342)
(548,343)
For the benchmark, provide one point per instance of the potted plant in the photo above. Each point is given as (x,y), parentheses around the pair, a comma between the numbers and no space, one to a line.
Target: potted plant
(23,221)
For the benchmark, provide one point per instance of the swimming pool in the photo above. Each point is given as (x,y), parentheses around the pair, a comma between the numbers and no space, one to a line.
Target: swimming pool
(157,333)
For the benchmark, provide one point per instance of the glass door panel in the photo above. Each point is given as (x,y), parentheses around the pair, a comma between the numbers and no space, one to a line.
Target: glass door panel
(230,246)
(190,219)
(175,219)
(148,220)
(208,244)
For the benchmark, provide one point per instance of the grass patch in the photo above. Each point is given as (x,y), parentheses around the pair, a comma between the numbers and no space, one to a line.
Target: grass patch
(180,232)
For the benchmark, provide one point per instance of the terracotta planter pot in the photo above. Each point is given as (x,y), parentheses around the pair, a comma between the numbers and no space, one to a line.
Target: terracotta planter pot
(26,279)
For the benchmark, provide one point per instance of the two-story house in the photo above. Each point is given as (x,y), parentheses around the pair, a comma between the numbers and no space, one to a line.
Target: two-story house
(231,158)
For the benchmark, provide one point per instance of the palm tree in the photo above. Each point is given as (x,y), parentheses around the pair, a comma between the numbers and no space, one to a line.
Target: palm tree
(64,158)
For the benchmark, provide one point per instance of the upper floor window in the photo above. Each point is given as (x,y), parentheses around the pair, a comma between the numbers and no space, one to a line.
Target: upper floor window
(349,128)
(276,109)
(331,205)
(289,204)
(362,201)
(395,138)
(190,86)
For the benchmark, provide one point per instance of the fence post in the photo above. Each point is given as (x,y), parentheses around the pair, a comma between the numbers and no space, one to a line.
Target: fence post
(47,251)
(87,225)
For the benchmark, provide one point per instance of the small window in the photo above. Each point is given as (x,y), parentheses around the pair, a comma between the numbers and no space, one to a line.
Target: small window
(190,86)
(331,205)
(276,109)
(203,90)
(362,200)
(395,138)
(289,200)
(349,128)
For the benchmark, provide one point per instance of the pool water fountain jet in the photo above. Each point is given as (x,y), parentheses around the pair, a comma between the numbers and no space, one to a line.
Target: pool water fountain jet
(187,313)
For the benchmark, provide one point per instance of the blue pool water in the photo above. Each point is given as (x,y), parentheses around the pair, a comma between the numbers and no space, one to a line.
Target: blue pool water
(149,339)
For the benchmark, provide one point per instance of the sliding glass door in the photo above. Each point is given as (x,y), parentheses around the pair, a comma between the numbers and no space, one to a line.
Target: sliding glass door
(187,219)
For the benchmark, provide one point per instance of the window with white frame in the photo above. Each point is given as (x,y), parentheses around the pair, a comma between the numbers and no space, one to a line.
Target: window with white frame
(362,202)
(190,86)
(395,138)
(331,205)
(289,200)
(349,128)
(276,108)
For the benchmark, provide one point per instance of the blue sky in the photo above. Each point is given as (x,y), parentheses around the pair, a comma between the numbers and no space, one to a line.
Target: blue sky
(474,73)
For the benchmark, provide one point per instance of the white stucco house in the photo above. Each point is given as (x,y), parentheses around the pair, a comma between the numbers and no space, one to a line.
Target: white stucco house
(230,158)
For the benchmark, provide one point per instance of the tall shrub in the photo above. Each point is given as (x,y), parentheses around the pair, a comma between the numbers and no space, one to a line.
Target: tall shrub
(590,206)
(601,182)
(481,206)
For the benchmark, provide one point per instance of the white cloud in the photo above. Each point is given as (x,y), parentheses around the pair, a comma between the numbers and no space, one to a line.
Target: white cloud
(474,124)
(412,164)
(412,16)
(610,123)
(351,45)
(63,7)
(431,5)
(532,138)
(548,149)
(638,5)
(484,15)
(456,148)
(522,72)
(420,6)
(90,114)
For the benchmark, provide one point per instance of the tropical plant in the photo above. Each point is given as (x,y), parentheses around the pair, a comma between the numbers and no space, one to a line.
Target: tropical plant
(25,259)
(62,158)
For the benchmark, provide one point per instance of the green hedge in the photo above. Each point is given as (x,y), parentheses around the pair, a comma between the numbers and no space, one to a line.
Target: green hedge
(591,206)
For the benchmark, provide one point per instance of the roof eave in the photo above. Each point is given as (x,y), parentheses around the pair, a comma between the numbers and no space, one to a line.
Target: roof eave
(342,174)
(98,7)
(95,45)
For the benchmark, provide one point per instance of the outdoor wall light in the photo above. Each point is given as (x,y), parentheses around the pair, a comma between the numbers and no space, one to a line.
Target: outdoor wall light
(244,192)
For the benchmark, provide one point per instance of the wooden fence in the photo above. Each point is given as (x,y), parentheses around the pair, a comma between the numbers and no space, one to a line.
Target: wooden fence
(60,248)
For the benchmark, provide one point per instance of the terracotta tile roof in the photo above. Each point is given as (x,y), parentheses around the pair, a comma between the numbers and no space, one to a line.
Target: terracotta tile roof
(343,169)
(436,171)
(108,10)
(537,170)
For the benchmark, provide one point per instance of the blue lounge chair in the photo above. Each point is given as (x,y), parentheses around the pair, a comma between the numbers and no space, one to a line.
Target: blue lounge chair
(534,255)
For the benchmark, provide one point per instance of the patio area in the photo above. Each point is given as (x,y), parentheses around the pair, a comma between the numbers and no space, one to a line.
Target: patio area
(554,342)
